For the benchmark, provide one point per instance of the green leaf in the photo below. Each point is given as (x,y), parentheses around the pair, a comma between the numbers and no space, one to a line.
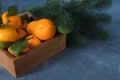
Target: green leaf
(5,44)
(12,10)
(18,46)
(63,30)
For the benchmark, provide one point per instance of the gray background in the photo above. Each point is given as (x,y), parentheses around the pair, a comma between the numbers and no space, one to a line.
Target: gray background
(96,61)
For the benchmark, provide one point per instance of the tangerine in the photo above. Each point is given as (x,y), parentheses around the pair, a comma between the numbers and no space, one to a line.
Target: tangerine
(15,20)
(33,41)
(21,34)
(8,34)
(44,29)
(30,27)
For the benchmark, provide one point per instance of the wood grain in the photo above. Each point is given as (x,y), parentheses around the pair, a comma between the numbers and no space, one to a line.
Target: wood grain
(18,66)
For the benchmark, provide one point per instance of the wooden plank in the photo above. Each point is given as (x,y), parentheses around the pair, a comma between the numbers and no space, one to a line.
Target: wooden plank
(18,66)
(7,62)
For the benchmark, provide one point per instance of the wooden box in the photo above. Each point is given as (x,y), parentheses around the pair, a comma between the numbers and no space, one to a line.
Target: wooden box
(17,66)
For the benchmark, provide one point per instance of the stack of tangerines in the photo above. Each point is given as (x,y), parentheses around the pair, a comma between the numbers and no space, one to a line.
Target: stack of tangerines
(23,34)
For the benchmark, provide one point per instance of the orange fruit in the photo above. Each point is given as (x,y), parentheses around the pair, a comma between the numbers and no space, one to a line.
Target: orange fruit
(30,27)
(8,34)
(44,29)
(33,41)
(21,34)
(15,21)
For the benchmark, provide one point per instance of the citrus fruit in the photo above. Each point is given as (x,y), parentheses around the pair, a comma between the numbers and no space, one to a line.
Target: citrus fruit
(8,33)
(13,21)
(30,27)
(21,34)
(44,29)
(33,41)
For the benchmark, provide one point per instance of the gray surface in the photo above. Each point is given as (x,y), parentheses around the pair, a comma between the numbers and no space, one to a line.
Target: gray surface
(96,61)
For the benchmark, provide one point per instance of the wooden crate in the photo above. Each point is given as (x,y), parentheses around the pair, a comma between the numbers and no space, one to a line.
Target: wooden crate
(18,66)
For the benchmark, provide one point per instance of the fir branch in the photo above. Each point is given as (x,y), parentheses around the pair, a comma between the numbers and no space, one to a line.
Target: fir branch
(75,40)
(83,5)
(102,19)
(77,18)
(90,19)
(80,5)
(75,3)
(103,4)
(94,18)
(66,22)
(99,34)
